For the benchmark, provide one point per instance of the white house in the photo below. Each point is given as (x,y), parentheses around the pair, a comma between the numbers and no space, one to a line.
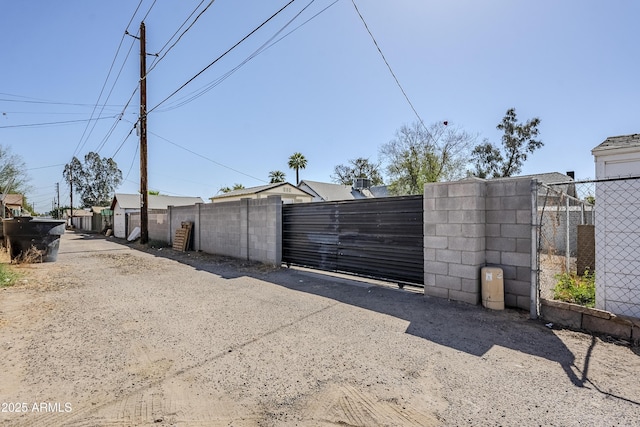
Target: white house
(122,204)
(617,223)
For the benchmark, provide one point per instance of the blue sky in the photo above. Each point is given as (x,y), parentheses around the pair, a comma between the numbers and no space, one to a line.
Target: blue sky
(323,90)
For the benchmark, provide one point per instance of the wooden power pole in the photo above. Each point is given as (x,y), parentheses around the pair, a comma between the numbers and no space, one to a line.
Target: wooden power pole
(144,216)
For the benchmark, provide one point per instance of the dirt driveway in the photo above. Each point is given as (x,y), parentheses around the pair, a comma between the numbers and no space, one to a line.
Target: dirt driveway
(113,336)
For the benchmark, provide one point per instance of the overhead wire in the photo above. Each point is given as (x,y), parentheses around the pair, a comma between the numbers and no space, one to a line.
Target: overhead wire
(389,67)
(201,156)
(45,167)
(267,45)
(158,59)
(41,101)
(115,124)
(220,57)
(64,122)
(133,161)
(104,85)
(104,140)
(124,140)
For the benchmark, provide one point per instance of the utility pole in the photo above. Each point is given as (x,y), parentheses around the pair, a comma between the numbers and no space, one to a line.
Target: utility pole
(144,217)
(58,200)
(71,193)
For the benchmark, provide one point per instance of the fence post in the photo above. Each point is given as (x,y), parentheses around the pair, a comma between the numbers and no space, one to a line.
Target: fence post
(534,308)
(567,236)
(169,236)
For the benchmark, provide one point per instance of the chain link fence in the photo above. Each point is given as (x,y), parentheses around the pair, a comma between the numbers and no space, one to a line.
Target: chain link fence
(589,243)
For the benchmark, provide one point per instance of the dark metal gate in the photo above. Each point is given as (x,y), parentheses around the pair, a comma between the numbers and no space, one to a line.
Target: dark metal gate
(381,238)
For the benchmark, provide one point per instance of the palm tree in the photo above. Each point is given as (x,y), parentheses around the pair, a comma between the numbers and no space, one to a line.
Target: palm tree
(276,176)
(297,161)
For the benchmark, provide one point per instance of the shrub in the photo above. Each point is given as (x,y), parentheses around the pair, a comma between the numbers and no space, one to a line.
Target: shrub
(576,289)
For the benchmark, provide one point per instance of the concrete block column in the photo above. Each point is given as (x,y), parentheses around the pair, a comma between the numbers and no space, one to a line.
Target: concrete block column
(244,228)
(454,239)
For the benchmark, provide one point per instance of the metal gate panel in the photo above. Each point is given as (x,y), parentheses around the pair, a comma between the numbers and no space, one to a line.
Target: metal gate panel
(380,238)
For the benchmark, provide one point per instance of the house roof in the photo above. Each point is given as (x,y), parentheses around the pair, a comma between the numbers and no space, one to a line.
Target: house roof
(257,190)
(617,142)
(78,212)
(545,178)
(12,199)
(132,201)
(333,192)
(379,191)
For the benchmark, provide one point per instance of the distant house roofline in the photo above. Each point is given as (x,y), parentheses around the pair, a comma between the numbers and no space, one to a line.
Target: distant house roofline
(620,142)
(132,201)
(256,190)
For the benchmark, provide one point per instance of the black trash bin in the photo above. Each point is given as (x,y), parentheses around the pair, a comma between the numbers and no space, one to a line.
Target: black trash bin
(24,232)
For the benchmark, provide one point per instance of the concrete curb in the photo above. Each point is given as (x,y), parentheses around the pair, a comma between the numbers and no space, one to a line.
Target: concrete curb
(590,319)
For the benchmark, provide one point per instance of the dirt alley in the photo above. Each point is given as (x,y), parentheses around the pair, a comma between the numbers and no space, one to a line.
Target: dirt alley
(110,335)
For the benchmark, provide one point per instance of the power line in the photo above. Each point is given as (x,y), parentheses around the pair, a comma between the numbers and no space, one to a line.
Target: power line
(389,66)
(115,124)
(104,85)
(124,140)
(135,12)
(203,157)
(155,62)
(267,45)
(44,167)
(35,101)
(220,57)
(57,123)
(133,161)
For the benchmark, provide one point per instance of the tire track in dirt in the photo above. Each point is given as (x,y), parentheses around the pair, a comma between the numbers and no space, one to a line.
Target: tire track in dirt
(345,404)
(134,406)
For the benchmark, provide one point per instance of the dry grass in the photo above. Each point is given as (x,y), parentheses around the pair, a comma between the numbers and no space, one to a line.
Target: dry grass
(31,256)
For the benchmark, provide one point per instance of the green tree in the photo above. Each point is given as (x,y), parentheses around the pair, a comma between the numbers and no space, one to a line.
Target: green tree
(418,155)
(28,207)
(357,168)
(297,161)
(518,141)
(95,180)
(12,176)
(276,176)
(227,189)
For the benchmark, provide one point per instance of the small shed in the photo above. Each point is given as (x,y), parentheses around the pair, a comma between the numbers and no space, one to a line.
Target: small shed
(12,204)
(123,204)
(617,217)
(287,192)
(82,218)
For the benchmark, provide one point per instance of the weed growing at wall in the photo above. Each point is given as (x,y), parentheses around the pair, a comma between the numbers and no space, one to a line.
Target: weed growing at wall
(576,289)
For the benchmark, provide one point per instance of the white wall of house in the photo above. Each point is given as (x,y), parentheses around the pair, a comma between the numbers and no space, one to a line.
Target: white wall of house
(617,237)
(120,221)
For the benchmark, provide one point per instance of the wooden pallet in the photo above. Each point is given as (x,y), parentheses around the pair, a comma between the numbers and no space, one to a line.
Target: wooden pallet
(182,238)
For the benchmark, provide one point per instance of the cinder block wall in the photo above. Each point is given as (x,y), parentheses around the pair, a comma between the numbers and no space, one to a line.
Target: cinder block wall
(472,223)
(264,232)
(220,229)
(176,215)
(454,239)
(248,229)
(509,236)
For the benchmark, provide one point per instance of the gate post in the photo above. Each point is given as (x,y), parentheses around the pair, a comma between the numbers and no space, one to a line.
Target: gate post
(535,230)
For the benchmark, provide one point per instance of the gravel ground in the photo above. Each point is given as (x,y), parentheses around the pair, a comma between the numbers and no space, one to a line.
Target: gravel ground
(111,335)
